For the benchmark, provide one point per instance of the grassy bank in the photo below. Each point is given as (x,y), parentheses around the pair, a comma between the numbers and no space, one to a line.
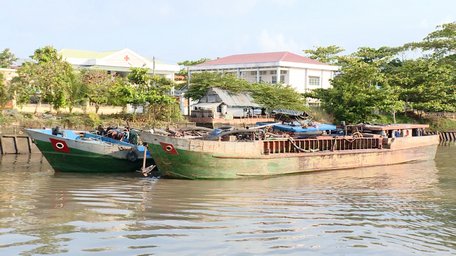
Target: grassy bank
(15,121)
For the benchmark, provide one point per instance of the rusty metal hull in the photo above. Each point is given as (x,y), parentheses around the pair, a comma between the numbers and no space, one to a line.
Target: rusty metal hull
(199,159)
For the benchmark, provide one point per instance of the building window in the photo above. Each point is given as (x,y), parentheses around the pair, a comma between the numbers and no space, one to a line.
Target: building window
(273,72)
(314,80)
(263,72)
(253,73)
(274,79)
(283,72)
(282,79)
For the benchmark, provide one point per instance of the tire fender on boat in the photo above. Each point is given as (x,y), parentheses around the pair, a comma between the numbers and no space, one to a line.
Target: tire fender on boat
(132,156)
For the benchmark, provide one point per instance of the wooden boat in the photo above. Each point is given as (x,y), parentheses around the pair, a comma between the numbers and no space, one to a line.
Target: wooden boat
(252,153)
(76,151)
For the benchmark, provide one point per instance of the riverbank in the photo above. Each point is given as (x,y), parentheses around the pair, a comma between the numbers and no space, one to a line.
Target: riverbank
(13,122)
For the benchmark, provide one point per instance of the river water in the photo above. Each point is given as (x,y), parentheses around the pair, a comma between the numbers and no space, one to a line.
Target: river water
(407,209)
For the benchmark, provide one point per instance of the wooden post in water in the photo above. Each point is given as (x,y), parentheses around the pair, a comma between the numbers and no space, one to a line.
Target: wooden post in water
(1,145)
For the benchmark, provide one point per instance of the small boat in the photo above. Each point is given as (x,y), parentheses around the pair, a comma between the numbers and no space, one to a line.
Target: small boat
(81,151)
(253,152)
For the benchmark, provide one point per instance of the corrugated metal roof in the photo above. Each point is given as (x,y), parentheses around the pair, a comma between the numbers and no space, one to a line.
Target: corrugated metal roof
(206,105)
(235,100)
(261,57)
(289,112)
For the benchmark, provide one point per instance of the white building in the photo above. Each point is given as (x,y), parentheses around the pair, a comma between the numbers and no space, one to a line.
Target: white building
(302,73)
(119,62)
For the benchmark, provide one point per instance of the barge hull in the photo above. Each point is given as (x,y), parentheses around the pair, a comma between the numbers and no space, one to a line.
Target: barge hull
(218,160)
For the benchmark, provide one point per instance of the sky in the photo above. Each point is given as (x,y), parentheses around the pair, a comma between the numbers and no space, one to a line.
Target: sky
(176,30)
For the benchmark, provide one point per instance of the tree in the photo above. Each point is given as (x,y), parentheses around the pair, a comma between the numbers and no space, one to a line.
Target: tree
(140,79)
(46,54)
(4,94)
(77,91)
(441,43)
(98,84)
(7,58)
(162,106)
(271,96)
(48,78)
(354,96)
(426,84)
(22,86)
(153,93)
(187,63)
(381,56)
(51,75)
(201,82)
(326,54)
(277,96)
(121,93)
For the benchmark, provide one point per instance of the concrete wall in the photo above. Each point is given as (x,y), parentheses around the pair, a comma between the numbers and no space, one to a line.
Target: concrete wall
(43,108)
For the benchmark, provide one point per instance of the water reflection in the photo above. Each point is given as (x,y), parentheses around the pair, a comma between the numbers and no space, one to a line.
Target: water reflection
(401,209)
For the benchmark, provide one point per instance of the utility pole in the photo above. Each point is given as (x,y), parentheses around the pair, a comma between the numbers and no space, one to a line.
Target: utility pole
(153,66)
(188,87)
(153,71)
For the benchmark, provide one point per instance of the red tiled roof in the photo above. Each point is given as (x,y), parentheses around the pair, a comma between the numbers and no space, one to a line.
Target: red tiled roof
(261,57)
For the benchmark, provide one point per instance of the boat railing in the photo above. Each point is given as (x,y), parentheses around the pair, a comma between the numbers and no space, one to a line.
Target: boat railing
(291,145)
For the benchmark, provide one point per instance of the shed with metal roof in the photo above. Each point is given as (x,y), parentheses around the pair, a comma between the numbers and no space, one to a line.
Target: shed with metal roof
(224,103)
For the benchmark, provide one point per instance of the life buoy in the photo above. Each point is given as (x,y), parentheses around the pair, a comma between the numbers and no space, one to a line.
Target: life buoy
(132,156)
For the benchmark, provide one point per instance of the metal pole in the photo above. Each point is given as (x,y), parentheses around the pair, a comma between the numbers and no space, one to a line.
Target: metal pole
(188,87)
(143,170)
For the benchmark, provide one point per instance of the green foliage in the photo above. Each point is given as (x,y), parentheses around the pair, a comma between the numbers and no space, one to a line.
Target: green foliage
(48,78)
(4,94)
(378,56)
(21,85)
(187,63)
(153,93)
(192,62)
(93,120)
(77,91)
(7,58)
(441,43)
(318,114)
(121,92)
(426,85)
(46,54)
(271,96)
(443,124)
(140,78)
(358,91)
(97,85)
(326,54)
(374,81)
(277,96)
(201,82)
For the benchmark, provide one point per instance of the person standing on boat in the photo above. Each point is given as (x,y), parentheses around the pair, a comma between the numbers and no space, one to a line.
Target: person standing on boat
(126,134)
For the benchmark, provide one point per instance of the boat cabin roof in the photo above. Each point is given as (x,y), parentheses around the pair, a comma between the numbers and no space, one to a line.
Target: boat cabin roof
(390,127)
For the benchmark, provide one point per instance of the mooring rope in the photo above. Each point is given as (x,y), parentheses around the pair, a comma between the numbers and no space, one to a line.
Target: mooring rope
(292,141)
